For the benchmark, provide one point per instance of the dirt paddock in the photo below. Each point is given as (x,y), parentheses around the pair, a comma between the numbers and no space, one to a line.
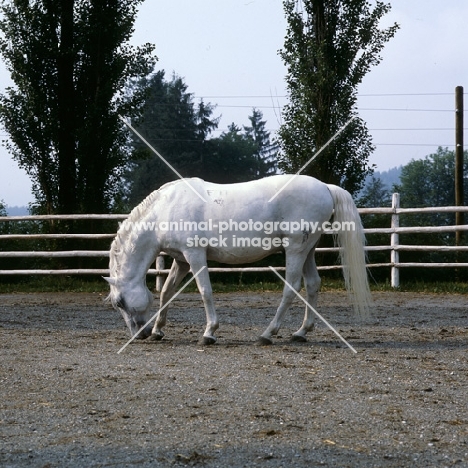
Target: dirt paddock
(68,399)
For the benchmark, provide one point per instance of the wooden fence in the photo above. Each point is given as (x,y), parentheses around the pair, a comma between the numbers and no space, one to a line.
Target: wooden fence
(393,247)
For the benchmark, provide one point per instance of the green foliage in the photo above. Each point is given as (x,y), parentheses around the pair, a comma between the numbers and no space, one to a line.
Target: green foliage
(424,183)
(430,181)
(375,194)
(330,46)
(266,152)
(70,61)
(427,182)
(176,127)
(54,283)
(230,158)
(3,211)
(238,156)
(88,284)
(179,129)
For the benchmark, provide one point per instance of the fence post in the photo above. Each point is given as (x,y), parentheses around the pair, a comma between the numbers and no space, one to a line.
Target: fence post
(394,242)
(159,278)
(459,192)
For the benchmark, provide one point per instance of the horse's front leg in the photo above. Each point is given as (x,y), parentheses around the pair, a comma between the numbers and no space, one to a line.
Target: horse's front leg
(198,265)
(178,272)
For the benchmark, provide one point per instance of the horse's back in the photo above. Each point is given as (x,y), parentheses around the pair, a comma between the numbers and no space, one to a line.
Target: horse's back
(285,198)
(280,197)
(269,185)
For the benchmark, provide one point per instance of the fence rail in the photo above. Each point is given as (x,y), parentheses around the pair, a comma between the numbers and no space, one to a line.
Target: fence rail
(393,247)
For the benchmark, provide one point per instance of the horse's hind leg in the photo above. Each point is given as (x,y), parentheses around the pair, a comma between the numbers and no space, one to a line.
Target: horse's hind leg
(294,263)
(312,284)
(178,272)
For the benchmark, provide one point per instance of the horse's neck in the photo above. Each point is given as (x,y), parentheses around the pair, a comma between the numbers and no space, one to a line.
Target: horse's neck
(137,255)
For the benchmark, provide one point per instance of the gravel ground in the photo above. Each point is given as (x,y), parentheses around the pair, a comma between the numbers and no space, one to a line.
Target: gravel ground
(68,399)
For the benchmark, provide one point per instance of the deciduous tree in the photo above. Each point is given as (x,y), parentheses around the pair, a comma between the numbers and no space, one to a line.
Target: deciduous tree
(70,61)
(329,47)
(429,182)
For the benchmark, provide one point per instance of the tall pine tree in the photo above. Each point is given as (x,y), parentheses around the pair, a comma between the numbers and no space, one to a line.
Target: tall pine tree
(266,151)
(176,127)
(180,130)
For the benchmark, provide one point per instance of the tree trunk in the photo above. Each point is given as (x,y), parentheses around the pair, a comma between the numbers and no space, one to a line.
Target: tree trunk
(67,202)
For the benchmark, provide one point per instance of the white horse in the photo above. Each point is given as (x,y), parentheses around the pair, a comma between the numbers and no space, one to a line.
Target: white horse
(238,223)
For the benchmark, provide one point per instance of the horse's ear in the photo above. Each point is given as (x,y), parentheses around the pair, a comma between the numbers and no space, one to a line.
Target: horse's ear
(111,281)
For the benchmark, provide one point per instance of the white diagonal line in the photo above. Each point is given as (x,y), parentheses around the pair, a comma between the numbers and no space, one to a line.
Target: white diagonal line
(161,157)
(314,311)
(312,158)
(162,308)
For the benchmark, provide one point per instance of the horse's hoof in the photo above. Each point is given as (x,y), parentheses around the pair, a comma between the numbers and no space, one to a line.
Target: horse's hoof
(156,337)
(208,340)
(299,339)
(262,341)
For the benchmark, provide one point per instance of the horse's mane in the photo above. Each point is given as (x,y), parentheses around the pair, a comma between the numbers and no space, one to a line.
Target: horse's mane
(124,241)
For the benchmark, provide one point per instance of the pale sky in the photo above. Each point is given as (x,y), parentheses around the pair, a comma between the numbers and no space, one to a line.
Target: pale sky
(226,51)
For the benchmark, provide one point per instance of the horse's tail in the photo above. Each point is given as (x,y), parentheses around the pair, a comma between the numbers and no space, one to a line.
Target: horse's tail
(351,241)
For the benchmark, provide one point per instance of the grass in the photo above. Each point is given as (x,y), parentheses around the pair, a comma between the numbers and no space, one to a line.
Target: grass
(44,284)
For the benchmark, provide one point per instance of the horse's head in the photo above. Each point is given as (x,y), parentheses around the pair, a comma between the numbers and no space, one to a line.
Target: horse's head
(134,303)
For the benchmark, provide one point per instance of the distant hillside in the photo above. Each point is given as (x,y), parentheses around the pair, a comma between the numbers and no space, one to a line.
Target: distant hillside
(17,210)
(389,178)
